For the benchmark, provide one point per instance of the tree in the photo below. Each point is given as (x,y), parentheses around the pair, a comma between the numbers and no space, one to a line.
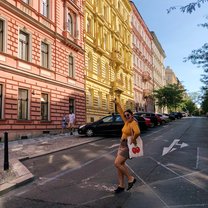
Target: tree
(189,8)
(199,56)
(170,96)
(204,104)
(189,106)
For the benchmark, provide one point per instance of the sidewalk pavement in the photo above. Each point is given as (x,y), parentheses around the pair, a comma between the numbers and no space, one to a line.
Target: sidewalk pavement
(19,150)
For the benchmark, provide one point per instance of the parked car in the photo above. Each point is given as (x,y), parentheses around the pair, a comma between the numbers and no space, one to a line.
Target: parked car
(108,125)
(141,121)
(164,118)
(177,115)
(171,117)
(151,116)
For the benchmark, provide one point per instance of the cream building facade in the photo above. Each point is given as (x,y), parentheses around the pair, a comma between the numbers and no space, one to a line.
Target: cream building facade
(170,76)
(158,66)
(108,56)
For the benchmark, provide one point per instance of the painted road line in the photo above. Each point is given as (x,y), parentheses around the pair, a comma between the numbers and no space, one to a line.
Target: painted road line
(147,186)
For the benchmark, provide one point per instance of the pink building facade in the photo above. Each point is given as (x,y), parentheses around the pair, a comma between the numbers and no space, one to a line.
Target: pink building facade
(142,62)
(41,65)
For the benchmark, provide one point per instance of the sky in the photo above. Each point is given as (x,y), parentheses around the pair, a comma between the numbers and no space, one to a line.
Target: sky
(178,35)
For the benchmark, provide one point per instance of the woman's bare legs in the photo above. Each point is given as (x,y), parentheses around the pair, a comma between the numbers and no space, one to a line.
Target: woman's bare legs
(122,170)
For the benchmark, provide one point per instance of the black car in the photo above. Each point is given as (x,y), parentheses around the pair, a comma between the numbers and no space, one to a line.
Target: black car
(109,125)
(177,115)
(151,116)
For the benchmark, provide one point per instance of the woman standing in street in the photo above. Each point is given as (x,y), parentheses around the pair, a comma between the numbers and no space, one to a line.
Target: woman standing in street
(130,128)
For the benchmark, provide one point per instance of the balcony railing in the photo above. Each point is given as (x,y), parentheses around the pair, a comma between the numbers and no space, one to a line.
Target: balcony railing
(117,57)
(146,76)
(117,86)
(146,93)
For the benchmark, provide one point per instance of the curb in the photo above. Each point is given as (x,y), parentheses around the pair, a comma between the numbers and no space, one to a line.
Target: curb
(23,177)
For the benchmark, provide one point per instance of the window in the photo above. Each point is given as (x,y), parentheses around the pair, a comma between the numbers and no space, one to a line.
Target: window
(90,61)
(71,105)
(107,101)
(45,8)
(44,55)
(24,46)
(118,119)
(23,104)
(71,66)
(106,71)
(69,23)
(105,42)
(100,99)
(1,100)
(26,1)
(89,25)
(99,69)
(44,107)
(108,119)
(106,12)
(1,35)
(91,97)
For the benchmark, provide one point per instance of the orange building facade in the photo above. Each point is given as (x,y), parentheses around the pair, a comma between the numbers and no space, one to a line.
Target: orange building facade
(41,65)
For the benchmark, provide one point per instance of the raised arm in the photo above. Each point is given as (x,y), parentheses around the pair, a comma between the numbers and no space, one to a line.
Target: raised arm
(120,110)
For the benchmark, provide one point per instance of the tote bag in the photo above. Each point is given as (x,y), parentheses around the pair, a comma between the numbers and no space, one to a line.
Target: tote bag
(135,150)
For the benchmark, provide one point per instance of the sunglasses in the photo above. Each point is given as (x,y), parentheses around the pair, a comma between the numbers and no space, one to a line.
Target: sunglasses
(127,115)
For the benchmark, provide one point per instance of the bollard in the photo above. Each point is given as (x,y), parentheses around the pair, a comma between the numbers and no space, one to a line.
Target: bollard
(6,151)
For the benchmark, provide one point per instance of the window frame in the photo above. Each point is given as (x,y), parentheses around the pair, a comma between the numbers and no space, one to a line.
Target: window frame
(45,6)
(1,101)
(22,50)
(44,105)
(47,54)
(71,66)
(70,25)
(26,1)
(2,32)
(72,105)
(20,111)
(4,35)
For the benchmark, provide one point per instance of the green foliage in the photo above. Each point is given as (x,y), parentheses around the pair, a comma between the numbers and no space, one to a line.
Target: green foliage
(170,96)
(204,104)
(190,106)
(189,8)
(199,56)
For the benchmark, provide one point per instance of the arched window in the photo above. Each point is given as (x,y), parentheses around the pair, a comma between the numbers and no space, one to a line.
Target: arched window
(69,24)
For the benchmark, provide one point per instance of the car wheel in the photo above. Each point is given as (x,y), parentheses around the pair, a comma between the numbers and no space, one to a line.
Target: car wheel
(89,132)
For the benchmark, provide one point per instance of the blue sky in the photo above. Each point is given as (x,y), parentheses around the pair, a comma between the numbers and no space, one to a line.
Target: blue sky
(178,34)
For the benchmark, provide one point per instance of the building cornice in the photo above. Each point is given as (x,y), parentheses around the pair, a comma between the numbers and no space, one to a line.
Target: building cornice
(12,70)
(157,43)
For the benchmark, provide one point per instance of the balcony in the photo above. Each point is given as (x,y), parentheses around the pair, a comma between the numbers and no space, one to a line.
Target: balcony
(117,57)
(146,76)
(117,86)
(146,93)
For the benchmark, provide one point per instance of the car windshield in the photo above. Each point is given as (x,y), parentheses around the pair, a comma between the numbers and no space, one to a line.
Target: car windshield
(118,119)
(108,119)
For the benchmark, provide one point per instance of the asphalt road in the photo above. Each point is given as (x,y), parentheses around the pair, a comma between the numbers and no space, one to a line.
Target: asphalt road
(173,173)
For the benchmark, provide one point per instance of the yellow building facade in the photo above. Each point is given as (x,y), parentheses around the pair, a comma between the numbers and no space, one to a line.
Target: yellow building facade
(108,56)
